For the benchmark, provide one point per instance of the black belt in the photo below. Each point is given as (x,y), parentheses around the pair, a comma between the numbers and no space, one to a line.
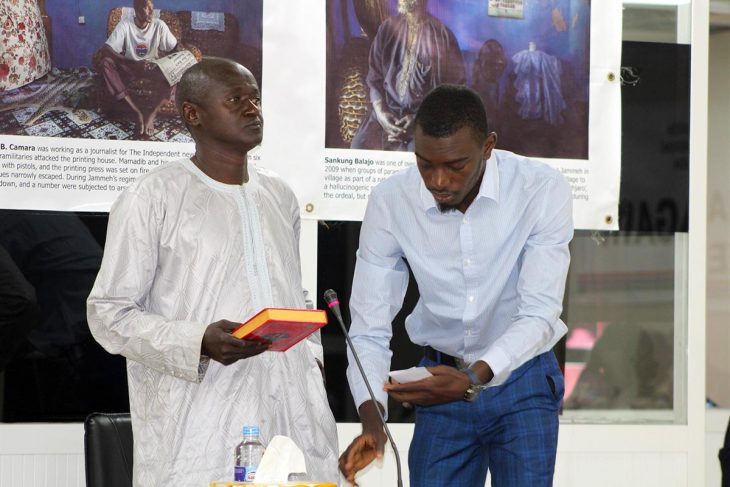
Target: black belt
(439,357)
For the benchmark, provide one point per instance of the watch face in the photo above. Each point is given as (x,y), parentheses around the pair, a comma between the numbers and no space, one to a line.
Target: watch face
(472,392)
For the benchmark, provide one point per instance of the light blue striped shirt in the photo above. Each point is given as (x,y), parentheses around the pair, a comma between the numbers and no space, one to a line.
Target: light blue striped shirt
(491,280)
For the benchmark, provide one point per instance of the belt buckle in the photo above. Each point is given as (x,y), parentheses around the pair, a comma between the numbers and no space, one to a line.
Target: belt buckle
(461,363)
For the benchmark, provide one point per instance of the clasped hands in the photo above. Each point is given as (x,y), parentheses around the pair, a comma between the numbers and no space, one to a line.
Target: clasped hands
(221,346)
(397,129)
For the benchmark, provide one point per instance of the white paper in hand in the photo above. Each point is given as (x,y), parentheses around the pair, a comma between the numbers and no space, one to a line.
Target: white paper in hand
(410,375)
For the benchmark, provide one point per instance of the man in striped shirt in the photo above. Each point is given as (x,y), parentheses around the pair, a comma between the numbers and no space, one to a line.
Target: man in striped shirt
(485,233)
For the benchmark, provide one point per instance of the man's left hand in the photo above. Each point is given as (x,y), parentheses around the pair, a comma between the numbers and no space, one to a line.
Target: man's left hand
(405,122)
(446,385)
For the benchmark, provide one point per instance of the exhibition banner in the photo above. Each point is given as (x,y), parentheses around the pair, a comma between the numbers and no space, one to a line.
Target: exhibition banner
(340,82)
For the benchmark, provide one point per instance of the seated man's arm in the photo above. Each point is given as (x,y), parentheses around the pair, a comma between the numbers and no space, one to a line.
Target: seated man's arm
(378,62)
(168,42)
(180,46)
(114,45)
(107,51)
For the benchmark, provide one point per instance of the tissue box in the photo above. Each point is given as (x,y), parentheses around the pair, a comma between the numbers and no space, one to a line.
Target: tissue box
(285,484)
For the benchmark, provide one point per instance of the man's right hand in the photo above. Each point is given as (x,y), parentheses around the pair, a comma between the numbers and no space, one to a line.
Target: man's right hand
(366,447)
(221,346)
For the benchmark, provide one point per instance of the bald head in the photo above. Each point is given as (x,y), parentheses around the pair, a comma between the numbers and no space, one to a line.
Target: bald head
(195,83)
(220,104)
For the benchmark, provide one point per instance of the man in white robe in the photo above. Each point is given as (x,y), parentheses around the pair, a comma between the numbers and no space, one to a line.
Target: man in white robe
(194,248)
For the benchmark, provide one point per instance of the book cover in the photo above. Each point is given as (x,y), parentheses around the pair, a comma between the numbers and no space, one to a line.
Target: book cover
(282,327)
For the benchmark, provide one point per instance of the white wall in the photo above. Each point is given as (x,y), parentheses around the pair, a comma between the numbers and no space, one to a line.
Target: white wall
(718,251)
(42,455)
(38,455)
(718,221)
(715,426)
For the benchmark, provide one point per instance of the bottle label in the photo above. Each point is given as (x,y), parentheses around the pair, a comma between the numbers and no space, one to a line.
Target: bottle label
(250,473)
(244,474)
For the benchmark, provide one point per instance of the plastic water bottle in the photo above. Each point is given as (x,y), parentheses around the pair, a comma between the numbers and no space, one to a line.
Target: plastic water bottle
(248,455)
(308,303)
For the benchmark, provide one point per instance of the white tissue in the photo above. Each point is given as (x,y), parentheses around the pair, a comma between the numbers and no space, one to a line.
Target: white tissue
(281,457)
(410,375)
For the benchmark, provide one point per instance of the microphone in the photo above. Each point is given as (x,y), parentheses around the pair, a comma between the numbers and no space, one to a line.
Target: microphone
(330,297)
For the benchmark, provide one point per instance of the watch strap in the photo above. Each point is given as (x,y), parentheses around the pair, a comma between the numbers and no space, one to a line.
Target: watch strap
(472,376)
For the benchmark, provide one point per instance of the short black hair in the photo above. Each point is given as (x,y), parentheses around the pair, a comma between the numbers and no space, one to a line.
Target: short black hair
(447,108)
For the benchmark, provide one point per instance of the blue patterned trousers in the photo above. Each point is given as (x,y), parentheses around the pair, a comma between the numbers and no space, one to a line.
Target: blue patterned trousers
(511,429)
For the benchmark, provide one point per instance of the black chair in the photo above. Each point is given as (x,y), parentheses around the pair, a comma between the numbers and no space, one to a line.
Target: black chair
(724,456)
(108,450)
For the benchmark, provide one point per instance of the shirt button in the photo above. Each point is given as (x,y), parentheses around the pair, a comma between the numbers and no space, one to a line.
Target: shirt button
(465,220)
(471,299)
(467,261)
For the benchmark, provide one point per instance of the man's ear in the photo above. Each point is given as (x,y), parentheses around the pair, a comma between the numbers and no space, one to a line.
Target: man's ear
(489,144)
(190,113)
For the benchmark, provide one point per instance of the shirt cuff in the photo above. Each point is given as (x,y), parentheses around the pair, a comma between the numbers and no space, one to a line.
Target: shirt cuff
(500,363)
(203,367)
(196,361)
(360,395)
(382,401)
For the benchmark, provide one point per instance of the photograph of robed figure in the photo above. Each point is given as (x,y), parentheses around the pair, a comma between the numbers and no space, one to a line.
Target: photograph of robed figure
(530,66)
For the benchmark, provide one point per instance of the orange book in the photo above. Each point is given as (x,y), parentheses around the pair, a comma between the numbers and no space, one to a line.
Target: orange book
(282,327)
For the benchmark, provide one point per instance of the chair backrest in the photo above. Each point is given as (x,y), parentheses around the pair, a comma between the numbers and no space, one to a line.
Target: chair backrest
(108,450)
(724,455)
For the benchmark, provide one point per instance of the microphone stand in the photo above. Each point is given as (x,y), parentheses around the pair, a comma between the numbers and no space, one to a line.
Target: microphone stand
(330,297)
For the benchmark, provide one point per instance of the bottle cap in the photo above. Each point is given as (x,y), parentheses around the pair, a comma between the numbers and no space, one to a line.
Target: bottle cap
(250,430)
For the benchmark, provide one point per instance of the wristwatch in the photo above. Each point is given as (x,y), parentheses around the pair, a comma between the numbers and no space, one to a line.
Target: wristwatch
(475,388)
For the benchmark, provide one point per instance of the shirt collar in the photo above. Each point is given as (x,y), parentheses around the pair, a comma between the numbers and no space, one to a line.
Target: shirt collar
(489,188)
(217,185)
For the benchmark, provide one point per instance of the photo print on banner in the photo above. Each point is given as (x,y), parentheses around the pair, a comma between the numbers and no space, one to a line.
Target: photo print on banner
(529,61)
(82,93)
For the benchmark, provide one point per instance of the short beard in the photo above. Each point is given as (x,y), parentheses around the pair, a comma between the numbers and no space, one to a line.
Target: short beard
(446,208)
